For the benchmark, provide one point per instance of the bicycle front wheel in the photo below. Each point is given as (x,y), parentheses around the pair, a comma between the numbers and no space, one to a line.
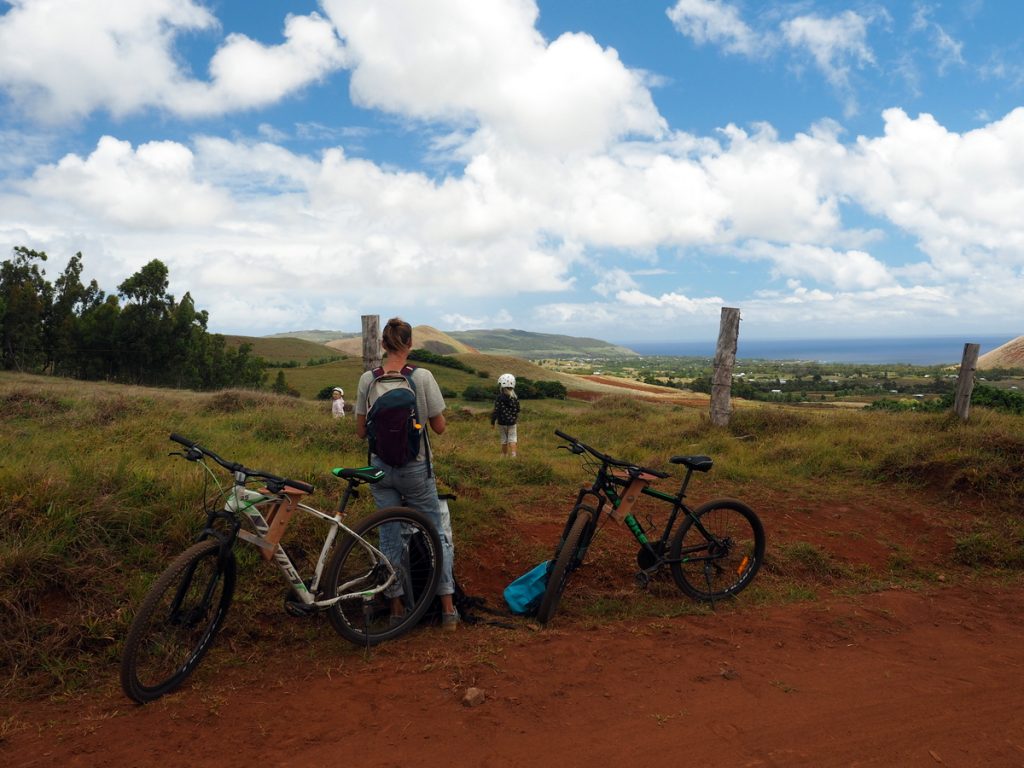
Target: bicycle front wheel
(367,614)
(177,622)
(717,551)
(565,563)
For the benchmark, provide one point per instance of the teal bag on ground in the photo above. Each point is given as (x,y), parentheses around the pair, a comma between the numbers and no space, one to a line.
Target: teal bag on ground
(524,594)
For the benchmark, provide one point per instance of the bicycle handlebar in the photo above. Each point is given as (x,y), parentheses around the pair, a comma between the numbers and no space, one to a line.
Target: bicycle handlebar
(234,466)
(579,447)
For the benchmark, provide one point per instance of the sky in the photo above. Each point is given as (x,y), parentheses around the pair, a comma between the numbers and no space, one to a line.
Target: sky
(614,169)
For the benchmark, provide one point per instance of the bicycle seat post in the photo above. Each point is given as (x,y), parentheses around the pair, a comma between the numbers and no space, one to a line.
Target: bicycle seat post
(350,490)
(686,482)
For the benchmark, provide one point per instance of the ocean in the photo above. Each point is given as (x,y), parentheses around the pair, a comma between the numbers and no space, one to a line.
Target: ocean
(936,350)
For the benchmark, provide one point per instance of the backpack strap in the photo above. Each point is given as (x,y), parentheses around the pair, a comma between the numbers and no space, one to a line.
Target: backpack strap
(407,371)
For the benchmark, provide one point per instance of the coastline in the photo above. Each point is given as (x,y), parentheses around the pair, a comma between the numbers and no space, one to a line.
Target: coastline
(924,351)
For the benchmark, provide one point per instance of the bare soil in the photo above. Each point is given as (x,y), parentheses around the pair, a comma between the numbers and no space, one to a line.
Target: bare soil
(867,668)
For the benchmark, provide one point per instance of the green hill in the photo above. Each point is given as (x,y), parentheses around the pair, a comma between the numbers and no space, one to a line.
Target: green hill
(320,337)
(285,349)
(539,345)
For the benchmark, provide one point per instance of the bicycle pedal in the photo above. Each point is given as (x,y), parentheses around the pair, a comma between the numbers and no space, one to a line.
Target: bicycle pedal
(297,609)
(642,580)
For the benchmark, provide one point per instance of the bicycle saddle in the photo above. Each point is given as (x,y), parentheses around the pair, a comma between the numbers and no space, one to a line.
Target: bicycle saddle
(359,474)
(696,463)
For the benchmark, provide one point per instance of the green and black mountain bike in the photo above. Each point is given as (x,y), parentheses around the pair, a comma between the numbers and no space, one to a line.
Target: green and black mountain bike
(713,551)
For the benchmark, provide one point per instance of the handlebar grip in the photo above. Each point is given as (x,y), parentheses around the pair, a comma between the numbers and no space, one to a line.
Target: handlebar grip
(300,485)
(182,440)
(564,436)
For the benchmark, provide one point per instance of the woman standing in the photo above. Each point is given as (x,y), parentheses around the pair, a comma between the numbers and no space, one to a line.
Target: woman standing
(411,484)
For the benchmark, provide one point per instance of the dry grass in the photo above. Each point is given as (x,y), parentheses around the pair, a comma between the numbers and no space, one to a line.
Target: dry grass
(92,508)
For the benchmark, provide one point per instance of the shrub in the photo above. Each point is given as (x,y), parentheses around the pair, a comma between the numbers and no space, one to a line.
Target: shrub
(476,392)
(426,356)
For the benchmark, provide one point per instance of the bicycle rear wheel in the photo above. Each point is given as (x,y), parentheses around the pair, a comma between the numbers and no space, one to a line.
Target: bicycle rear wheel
(410,542)
(177,622)
(722,550)
(566,562)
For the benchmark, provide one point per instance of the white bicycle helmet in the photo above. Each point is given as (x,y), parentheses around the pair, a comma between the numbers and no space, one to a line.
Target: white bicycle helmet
(339,390)
(507,380)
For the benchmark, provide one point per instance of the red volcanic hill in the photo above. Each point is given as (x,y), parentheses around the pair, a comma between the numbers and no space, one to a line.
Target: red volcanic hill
(1009,355)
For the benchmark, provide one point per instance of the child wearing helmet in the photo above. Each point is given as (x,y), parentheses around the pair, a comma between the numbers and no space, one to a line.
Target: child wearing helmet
(338,403)
(506,413)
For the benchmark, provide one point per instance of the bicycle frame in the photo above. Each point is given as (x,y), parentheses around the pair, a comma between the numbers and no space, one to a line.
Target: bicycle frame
(270,527)
(617,486)
(621,489)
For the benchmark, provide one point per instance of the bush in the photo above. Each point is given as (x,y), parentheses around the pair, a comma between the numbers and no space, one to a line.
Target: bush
(426,356)
(476,392)
(553,389)
(281,387)
(527,389)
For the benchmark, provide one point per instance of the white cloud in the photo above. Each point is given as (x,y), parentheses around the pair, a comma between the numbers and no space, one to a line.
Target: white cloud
(611,281)
(494,73)
(151,187)
(836,44)
(960,195)
(716,22)
(944,47)
(459,322)
(246,73)
(847,270)
(59,63)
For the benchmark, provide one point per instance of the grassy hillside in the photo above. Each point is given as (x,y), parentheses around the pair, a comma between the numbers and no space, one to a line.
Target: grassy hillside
(320,337)
(539,345)
(284,350)
(423,337)
(92,508)
(345,373)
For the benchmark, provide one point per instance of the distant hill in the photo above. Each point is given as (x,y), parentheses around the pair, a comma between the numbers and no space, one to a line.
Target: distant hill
(284,349)
(321,337)
(538,345)
(1009,355)
(423,337)
(513,343)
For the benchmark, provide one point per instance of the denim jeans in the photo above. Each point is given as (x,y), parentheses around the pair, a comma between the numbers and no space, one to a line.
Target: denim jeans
(412,486)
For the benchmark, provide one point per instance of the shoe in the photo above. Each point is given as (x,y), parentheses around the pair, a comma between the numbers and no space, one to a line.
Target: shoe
(395,620)
(449,621)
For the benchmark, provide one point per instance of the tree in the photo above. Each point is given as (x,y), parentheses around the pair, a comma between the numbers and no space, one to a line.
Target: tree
(146,326)
(24,300)
(62,324)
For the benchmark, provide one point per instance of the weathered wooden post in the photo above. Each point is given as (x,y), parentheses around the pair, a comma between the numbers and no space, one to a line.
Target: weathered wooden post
(725,359)
(371,342)
(965,381)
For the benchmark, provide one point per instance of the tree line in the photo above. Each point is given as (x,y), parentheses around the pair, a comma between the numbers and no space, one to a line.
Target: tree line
(140,335)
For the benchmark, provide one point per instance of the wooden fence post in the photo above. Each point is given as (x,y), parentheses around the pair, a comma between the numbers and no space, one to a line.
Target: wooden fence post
(725,359)
(371,342)
(965,381)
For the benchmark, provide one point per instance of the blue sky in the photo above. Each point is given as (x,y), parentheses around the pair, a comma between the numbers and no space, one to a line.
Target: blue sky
(612,169)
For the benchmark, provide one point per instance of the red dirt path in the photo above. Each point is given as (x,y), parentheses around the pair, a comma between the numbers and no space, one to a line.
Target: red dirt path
(892,676)
(896,678)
